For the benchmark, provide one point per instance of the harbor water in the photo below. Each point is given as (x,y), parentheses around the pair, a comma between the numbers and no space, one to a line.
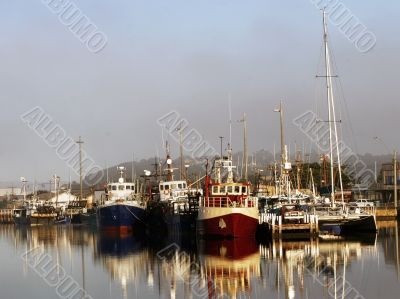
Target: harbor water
(78,262)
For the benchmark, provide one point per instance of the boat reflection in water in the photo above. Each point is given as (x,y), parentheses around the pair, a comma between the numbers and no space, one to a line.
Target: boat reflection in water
(312,268)
(125,257)
(229,266)
(111,266)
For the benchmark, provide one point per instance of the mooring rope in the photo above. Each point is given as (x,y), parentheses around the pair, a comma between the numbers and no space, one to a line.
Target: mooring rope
(135,215)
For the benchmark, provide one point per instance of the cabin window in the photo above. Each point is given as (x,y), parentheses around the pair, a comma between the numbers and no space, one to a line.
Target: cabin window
(161,187)
(114,188)
(166,187)
(237,189)
(128,187)
(215,190)
(244,190)
(229,189)
(184,185)
(121,187)
(173,186)
(223,188)
(180,186)
(133,187)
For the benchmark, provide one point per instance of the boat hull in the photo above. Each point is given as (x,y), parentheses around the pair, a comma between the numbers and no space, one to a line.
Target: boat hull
(361,224)
(365,224)
(120,217)
(41,219)
(88,219)
(22,220)
(228,222)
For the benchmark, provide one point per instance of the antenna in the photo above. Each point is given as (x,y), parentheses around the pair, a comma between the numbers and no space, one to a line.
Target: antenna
(221,141)
(106,173)
(80,142)
(133,166)
(230,120)
(180,129)
(245,156)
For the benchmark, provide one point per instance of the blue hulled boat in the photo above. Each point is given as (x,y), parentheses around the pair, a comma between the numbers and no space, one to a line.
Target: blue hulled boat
(122,208)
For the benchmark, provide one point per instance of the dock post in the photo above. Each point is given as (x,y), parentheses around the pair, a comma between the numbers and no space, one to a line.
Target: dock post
(273,224)
(280,224)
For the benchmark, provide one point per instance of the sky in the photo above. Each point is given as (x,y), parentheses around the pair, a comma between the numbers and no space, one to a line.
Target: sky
(187,56)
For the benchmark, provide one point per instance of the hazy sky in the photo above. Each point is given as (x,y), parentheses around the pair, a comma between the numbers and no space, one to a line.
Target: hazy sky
(186,56)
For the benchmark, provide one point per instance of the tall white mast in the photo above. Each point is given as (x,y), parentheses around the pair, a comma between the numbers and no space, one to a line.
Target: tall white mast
(331,116)
(284,183)
(328,95)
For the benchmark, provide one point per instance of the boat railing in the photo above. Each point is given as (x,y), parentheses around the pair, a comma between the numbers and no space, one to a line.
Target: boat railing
(339,210)
(369,210)
(227,202)
(328,211)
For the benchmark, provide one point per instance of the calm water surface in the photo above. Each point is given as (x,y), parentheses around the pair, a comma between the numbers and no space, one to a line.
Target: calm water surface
(107,266)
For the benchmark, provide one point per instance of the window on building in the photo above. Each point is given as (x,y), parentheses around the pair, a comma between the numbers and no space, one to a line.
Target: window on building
(121,187)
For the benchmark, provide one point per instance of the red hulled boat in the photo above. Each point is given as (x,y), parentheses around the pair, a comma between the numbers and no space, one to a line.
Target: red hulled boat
(227,209)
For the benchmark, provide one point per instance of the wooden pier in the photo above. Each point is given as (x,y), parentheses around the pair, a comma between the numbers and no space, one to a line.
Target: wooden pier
(6,216)
(387,213)
(277,228)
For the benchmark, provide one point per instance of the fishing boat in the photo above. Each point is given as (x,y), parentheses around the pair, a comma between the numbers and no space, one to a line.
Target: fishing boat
(22,215)
(174,209)
(43,211)
(121,209)
(227,209)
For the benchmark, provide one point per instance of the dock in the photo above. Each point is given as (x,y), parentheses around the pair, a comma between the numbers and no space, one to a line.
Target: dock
(6,216)
(277,228)
(387,213)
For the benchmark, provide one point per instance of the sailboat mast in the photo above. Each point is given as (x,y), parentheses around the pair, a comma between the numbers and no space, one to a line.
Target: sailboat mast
(332,116)
(328,95)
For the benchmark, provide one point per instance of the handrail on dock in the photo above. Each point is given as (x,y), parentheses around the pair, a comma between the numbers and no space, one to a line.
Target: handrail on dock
(277,227)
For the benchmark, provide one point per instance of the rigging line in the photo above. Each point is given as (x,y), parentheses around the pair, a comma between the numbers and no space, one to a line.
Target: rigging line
(162,137)
(343,97)
(135,215)
(317,95)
